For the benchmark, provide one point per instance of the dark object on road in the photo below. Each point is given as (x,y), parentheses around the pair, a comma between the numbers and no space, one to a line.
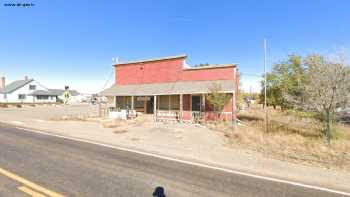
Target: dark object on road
(159,192)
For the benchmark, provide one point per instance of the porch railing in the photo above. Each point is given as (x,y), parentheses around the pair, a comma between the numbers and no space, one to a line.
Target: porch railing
(192,116)
(167,115)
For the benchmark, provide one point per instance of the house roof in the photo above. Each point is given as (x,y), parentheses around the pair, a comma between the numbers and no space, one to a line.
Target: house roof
(54,92)
(183,87)
(59,92)
(15,85)
(151,60)
(42,93)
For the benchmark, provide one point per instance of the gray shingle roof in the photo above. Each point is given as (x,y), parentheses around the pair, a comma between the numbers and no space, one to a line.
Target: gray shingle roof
(14,86)
(183,87)
(42,92)
(59,92)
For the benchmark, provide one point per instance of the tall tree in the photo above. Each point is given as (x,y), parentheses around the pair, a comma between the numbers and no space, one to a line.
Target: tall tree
(327,87)
(285,79)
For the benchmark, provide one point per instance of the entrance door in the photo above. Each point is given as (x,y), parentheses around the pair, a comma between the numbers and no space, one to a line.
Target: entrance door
(196,103)
(149,109)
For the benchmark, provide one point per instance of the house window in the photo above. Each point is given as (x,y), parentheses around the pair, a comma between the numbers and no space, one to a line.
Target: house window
(123,102)
(164,102)
(42,97)
(32,87)
(169,102)
(175,102)
(139,103)
(21,96)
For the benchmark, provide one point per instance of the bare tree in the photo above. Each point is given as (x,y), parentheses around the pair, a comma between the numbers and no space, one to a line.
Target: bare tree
(327,87)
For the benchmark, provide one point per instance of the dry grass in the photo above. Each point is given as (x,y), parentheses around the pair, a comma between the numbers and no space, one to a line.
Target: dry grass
(290,138)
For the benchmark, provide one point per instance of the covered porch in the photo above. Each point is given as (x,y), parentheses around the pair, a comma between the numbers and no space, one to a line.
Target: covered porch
(183,107)
(178,101)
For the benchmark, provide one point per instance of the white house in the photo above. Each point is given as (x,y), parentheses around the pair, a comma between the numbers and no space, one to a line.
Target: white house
(25,91)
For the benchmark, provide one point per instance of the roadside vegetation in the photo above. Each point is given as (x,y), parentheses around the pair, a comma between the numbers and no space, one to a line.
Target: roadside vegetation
(316,85)
(304,96)
(292,136)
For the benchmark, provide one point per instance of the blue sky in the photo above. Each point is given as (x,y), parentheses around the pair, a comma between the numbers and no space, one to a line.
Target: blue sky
(72,43)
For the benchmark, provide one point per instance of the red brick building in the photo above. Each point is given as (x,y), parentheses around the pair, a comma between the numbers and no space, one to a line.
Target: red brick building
(167,87)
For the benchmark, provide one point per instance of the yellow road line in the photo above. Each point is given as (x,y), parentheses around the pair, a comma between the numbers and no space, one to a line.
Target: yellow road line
(30,192)
(29,184)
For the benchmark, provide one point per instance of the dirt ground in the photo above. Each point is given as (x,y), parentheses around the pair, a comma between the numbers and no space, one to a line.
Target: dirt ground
(49,112)
(184,141)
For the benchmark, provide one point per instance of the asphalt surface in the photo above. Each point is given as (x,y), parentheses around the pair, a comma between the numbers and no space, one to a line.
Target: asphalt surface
(74,168)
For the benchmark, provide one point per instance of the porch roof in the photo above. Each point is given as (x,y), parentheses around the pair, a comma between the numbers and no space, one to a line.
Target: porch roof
(181,87)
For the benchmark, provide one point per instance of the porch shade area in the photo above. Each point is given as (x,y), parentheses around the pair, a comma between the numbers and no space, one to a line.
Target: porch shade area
(182,87)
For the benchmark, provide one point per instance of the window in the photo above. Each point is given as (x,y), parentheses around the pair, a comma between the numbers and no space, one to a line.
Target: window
(139,103)
(42,97)
(169,102)
(123,102)
(5,96)
(32,87)
(21,96)
(175,102)
(164,102)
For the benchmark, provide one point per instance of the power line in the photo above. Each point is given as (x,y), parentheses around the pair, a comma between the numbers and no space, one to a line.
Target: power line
(107,81)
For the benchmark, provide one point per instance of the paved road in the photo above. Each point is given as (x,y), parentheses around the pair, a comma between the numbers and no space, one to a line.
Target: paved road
(70,168)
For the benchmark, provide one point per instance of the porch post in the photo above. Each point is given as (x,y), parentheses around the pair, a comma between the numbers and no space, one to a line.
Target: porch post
(169,107)
(203,106)
(132,102)
(181,107)
(115,101)
(155,108)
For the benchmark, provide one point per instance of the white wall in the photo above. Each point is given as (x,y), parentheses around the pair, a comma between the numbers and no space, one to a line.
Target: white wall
(13,97)
(2,98)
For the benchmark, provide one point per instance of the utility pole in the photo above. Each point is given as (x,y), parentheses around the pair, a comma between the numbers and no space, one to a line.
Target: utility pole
(265,79)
